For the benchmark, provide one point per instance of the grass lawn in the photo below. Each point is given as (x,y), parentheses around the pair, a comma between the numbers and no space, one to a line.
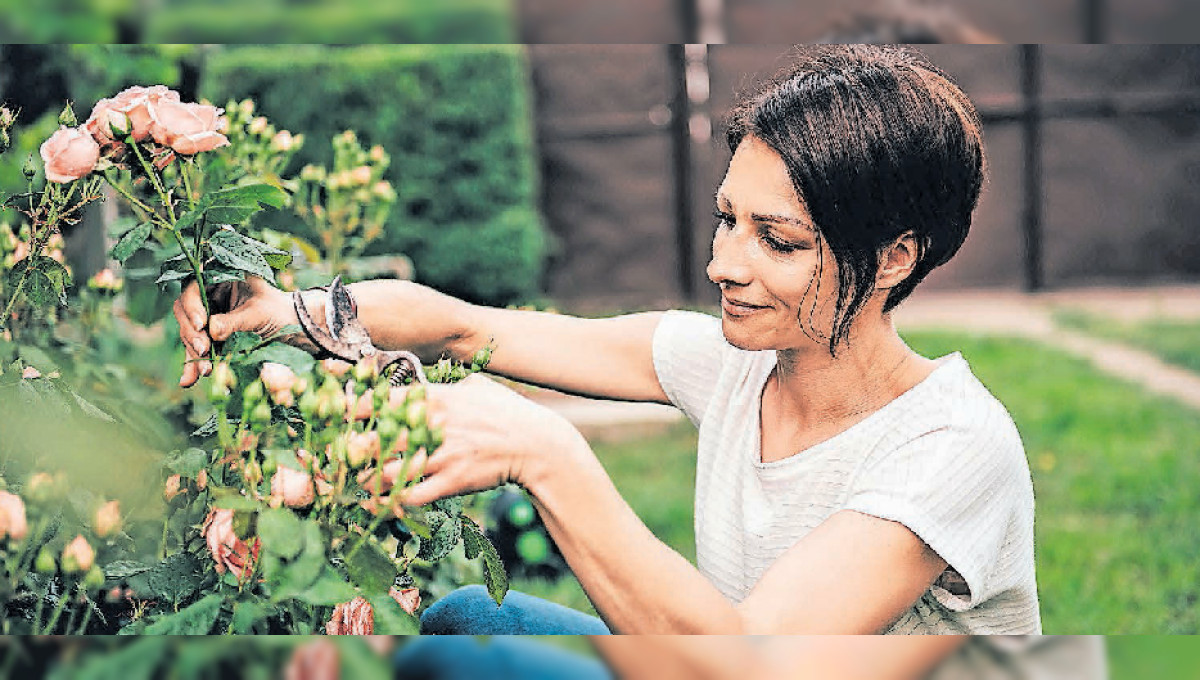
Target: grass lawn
(1115,471)
(1172,340)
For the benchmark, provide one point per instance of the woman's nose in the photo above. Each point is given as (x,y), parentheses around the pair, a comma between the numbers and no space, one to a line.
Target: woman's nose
(729,263)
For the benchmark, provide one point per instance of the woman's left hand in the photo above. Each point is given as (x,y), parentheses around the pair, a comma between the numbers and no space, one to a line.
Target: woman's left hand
(491,436)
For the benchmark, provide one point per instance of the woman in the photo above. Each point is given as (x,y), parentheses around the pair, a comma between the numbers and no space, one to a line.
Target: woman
(845,483)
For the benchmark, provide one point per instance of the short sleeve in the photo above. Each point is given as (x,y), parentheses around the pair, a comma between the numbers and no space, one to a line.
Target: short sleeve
(960,492)
(689,350)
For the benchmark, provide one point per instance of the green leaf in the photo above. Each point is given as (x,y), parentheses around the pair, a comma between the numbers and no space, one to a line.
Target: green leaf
(237,204)
(176,578)
(122,569)
(130,243)
(173,275)
(247,615)
(278,259)
(241,341)
(196,619)
(371,570)
(57,271)
(232,499)
(188,463)
(452,506)
(40,289)
(391,619)
(293,357)
(234,250)
(476,544)
(297,575)
(445,534)
(137,660)
(329,589)
(281,532)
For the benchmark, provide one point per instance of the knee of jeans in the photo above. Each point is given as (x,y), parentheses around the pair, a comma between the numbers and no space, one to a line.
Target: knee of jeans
(452,614)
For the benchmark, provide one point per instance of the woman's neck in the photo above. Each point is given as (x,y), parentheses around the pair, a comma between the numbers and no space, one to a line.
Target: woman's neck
(810,386)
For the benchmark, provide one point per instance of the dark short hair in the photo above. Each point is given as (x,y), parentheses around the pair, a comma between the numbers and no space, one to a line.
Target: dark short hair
(878,142)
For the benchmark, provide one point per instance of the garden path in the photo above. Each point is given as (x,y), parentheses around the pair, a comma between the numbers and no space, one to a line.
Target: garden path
(997,312)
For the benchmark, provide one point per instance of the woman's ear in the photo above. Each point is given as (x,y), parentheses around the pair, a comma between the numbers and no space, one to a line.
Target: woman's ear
(897,261)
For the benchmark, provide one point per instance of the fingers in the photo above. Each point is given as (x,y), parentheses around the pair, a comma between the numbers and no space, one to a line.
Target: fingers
(195,345)
(221,326)
(432,489)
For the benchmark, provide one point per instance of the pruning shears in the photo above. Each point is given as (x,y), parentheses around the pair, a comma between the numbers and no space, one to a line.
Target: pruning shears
(348,340)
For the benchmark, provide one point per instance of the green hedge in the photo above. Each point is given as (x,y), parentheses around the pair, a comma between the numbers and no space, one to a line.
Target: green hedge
(456,121)
(333,21)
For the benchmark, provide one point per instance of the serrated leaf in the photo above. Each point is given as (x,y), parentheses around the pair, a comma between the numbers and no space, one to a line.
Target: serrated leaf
(40,289)
(278,259)
(56,271)
(237,204)
(122,569)
(293,357)
(188,462)
(391,619)
(370,569)
(234,250)
(452,506)
(176,578)
(281,532)
(241,341)
(445,532)
(172,275)
(477,544)
(130,243)
(232,499)
(208,429)
(195,619)
(329,589)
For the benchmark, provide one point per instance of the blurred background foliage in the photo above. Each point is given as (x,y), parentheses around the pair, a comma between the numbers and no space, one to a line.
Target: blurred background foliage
(456,120)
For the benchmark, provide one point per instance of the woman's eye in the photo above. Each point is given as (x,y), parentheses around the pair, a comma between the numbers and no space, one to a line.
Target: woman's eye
(723,219)
(779,246)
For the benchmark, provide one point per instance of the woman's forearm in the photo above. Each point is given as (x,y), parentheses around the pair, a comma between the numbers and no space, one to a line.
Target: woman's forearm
(409,316)
(637,583)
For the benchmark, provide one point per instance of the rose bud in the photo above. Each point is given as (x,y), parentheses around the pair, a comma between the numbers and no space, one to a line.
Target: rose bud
(7,117)
(336,367)
(40,487)
(94,579)
(30,373)
(172,489)
(293,488)
(261,414)
(362,447)
(247,107)
(67,117)
(202,480)
(383,191)
(107,519)
(277,377)
(45,562)
(70,153)
(300,386)
(107,123)
(12,517)
(78,556)
(358,407)
(283,398)
(228,551)
(308,404)
(259,125)
(414,414)
(409,599)
(223,375)
(360,175)
(282,141)
(253,472)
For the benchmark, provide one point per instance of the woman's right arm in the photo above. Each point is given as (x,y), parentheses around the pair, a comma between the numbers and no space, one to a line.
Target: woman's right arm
(608,358)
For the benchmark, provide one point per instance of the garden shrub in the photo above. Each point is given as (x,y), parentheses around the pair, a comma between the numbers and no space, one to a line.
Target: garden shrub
(456,121)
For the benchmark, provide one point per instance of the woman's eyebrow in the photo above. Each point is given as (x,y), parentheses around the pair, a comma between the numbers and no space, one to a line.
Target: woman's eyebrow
(781,219)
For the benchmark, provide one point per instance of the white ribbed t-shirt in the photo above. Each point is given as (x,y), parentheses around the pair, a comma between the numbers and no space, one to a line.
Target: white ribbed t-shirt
(944,459)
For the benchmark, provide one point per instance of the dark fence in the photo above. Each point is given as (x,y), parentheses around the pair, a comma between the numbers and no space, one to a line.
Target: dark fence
(1094,153)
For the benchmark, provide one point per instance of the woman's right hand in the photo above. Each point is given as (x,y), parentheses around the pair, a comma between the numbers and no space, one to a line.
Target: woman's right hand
(252,305)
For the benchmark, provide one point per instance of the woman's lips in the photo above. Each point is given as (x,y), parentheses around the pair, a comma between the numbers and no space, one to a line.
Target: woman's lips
(738,309)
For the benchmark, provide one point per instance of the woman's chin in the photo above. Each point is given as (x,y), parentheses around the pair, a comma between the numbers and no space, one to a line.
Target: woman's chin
(740,335)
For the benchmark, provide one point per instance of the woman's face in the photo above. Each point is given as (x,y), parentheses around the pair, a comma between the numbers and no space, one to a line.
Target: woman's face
(774,270)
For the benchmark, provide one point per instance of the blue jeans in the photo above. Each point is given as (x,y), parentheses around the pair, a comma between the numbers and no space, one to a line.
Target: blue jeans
(450,654)
(471,611)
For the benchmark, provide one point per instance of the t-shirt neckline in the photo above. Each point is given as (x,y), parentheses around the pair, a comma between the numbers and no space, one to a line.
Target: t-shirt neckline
(952,359)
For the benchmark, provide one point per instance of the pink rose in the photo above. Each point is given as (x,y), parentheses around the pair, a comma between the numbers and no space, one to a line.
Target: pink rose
(277,377)
(359,408)
(362,447)
(228,551)
(138,103)
(78,556)
(30,373)
(69,154)
(12,517)
(188,128)
(357,617)
(107,520)
(293,488)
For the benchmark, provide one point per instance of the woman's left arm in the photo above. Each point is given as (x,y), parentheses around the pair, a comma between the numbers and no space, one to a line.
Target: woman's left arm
(852,574)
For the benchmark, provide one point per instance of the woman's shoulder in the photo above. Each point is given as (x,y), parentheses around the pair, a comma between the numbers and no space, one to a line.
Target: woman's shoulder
(966,407)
